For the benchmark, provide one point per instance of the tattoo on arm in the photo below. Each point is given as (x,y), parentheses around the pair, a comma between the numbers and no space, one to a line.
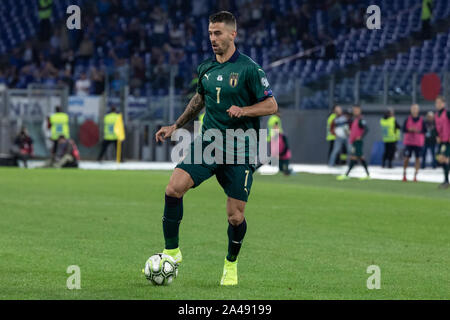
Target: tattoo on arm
(192,110)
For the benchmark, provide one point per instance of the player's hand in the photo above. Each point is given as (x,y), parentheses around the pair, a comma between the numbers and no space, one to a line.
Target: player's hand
(164,133)
(438,140)
(235,111)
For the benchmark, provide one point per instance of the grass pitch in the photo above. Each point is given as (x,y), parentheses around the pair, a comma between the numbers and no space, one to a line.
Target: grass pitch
(309,237)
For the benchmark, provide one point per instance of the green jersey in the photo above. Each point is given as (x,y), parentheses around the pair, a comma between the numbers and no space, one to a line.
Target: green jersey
(239,81)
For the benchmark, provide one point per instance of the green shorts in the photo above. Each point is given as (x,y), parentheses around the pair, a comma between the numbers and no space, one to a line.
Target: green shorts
(357,148)
(235,179)
(444,149)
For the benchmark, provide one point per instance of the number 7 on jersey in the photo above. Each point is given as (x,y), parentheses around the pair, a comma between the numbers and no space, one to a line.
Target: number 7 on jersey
(218,94)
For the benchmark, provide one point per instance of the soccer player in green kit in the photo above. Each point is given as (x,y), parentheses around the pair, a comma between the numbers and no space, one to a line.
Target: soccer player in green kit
(235,91)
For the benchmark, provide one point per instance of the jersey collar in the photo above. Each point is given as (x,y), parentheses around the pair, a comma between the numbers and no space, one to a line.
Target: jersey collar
(232,59)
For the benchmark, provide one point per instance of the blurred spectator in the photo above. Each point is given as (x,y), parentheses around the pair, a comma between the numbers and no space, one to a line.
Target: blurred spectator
(427,13)
(137,71)
(86,49)
(22,148)
(63,38)
(390,130)
(67,155)
(159,19)
(101,46)
(58,123)
(260,35)
(82,85)
(279,148)
(55,57)
(98,81)
(256,12)
(121,48)
(109,136)
(66,79)
(29,53)
(68,60)
(334,15)
(55,40)
(176,36)
(137,37)
(430,140)
(45,14)
(340,128)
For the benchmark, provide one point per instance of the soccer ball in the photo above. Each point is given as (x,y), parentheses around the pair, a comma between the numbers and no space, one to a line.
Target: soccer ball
(160,269)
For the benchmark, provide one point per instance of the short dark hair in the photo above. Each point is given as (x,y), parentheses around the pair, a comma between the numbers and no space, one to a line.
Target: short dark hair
(442,98)
(58,109)
(223,16)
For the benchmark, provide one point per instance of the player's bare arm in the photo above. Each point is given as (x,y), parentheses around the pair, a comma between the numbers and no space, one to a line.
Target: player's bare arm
(193,108)
(264,108)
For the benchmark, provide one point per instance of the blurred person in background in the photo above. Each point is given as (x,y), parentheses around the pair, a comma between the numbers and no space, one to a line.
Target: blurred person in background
(22,148)
(413,139)
(86,49)
(45,12)
(58,123)
(280,149)
(427,14)
(442,120)
(330,136)
(66,156)
(83,85)
(273,119)
(430,140)
(340,129)
(390,130)
(109,136)
(98,81)
(358,130)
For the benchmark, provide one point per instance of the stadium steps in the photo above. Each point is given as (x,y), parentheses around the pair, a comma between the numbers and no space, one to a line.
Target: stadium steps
(392,50)
(378,58)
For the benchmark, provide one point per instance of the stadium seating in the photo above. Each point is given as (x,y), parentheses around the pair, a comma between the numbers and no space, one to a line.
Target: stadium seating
(264,43)
(19,20)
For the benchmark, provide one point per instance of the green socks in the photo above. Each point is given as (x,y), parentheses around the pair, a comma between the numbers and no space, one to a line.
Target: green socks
(235,237)
(446,169)
(173,213)
(350,167)
(363,162)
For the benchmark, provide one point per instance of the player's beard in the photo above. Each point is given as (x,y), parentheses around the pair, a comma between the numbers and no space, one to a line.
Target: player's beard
(220,50)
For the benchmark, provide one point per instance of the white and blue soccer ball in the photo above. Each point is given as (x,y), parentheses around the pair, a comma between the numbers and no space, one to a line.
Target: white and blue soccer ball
(160,269)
